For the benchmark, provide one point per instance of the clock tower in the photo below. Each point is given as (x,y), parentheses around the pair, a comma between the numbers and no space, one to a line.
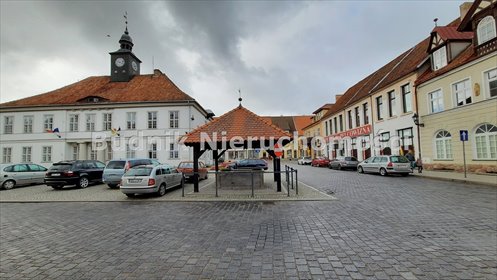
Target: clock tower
(124,65)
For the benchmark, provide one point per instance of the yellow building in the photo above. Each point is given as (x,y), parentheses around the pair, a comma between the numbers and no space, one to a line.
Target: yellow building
(458,94)
(315,129)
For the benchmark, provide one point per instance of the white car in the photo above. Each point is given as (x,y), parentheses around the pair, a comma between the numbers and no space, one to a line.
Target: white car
(150,179)
(304,161)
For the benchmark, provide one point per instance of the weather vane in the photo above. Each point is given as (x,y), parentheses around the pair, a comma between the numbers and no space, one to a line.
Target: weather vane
(435,20)
(240,96)
(126,19)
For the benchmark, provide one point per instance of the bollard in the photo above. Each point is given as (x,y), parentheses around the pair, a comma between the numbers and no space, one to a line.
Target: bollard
(183,186)
(287,183)
(252,179)
(217,180)
(296,183)
(292,177)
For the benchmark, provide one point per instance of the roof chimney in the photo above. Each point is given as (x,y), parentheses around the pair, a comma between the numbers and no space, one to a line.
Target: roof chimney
(337,96)
(464,8)
(157,73)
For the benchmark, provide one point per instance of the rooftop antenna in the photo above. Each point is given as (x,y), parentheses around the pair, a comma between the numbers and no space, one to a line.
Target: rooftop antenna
(153,63)
(240,96)
(435,20)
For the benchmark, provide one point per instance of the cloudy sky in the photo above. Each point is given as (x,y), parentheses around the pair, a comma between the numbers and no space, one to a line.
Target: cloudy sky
(286,57)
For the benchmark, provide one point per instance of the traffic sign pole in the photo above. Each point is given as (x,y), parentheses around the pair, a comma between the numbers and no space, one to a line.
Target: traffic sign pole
(464,136)
(464,157)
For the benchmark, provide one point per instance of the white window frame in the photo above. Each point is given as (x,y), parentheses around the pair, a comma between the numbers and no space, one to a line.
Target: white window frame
(75,152)
(107,121)
(131,120)
(440,100)
(488,138)
(28,124)
(173,152)
(46,154)
(465,91)
(174,119)
(392,112)
(90,122)
(109,151)
(439,58)
(152,120)
(48,122)
(487,79)
(26,154)
(8,125)
(486,29)
(379,108)
(442,146)
(152,151)
(406,98)
(7,155)
(73,122)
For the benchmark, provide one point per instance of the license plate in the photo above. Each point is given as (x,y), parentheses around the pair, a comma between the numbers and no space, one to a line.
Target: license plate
(134,180)
(55,174)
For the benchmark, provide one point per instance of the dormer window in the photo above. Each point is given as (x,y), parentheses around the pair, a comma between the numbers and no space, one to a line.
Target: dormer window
(486,30)
(439,58)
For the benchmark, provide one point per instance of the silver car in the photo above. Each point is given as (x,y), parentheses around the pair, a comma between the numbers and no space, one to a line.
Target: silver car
(385,165)
(12,175)
(343,163)
(150,179)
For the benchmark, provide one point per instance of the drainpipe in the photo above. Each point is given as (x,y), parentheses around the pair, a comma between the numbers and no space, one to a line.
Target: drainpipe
(417,126)
(371,142)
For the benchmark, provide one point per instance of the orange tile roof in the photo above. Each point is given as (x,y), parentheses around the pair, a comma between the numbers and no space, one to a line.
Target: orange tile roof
(155,87)
(301,122)
(451,33)
(238,122)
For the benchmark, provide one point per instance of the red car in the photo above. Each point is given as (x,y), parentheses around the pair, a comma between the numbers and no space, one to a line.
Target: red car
(320,161)
(186,167)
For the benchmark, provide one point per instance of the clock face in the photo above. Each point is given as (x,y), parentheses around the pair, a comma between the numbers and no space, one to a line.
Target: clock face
(134,65)
(120,62)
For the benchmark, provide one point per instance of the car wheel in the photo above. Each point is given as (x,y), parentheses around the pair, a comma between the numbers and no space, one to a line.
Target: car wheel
(339,167)
(130,195)
(9,184)
(83,182)
(162,190)
(383,172)
(206,176)
(57,187)
(113,186)
(360,170)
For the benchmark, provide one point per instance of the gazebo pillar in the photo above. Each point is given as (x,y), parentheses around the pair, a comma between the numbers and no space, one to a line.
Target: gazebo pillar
(196,156)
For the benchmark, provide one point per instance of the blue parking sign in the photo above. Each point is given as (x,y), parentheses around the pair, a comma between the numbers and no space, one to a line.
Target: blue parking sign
(463,135)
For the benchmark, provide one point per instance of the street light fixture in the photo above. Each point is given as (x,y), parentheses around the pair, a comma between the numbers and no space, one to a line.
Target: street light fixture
(415,119)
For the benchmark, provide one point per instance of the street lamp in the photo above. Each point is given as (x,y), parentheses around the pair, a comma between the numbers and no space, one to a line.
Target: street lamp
(415,119)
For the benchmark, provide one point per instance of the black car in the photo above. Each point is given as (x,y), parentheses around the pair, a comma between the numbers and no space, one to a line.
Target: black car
(75,172)
(256,164)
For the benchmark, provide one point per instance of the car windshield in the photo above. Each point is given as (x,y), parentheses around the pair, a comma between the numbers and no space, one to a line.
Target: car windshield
(307,158)
(185,165)
(141,171)
(116,164)
(351,159)
(61,167)
(399,159)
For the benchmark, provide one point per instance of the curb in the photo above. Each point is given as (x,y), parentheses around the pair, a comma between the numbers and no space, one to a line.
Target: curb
(466,181)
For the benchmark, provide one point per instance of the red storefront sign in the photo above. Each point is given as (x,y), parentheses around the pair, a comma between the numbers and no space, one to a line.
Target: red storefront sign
(358,131)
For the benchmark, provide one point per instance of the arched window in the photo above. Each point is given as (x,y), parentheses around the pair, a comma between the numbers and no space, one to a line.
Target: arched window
(486,141)
(486,29)
(443,145)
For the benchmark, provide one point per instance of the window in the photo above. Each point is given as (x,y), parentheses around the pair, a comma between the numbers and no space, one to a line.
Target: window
(90,122)
(349,115)
(365,113)
(385,137)
(335,124)
(439,58)
(7,155)
(28,124)
(8,127)
(173,119)
(173,153)
(48,122)
(109,151)
(340,118)
(26,154)
(357,117)
(152,119)
(152,152)
(93,153)
(75,152)
(379,108)
(462,92)
(46,155)
(405,139)
(491,81)
(486,29)
(73,123)
(486,142)
(443,145)
(107,124)
(131,120)
(406,98)
(436,101)
(391,104)
(327,128)
(130,151)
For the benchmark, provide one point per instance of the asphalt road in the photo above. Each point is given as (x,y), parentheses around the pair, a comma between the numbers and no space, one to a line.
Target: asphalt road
(379,228)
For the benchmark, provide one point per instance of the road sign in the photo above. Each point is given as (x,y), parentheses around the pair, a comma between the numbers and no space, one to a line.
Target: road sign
(277,150)
(463,135)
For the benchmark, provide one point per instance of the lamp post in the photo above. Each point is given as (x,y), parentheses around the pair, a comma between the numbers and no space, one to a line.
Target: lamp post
(415,119)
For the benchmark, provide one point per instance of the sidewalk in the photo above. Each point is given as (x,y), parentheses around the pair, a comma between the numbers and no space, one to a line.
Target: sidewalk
(459,177)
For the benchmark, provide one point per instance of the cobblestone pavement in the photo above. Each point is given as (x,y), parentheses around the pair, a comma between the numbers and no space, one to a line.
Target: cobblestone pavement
(379,228)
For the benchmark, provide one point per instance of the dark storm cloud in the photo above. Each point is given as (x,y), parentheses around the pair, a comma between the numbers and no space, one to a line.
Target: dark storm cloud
(287,57)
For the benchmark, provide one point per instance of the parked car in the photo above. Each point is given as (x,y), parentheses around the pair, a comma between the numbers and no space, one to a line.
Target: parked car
(186,167)
(150,179)
(304,161)
(115,169)
(255,164)
(320,161)
(343,163)
(74,172)
(385,165)
(21,174)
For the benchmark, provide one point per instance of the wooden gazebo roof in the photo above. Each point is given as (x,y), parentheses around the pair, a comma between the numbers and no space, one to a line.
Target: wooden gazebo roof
(240,123)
